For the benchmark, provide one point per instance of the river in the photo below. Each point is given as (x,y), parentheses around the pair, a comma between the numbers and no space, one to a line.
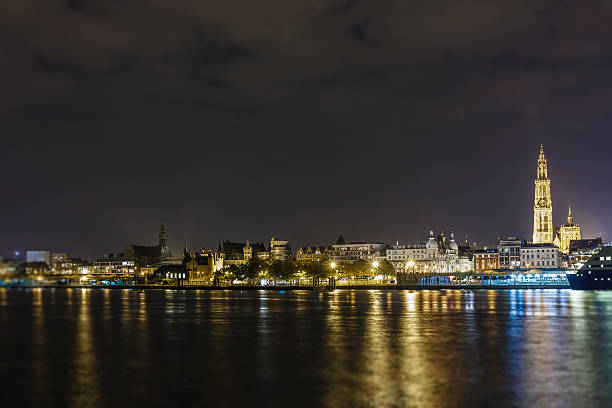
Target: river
(347,348)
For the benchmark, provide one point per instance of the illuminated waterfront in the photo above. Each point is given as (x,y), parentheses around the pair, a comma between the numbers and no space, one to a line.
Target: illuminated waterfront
(97,347)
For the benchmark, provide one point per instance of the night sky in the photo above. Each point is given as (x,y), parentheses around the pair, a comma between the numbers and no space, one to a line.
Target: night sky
(301,120)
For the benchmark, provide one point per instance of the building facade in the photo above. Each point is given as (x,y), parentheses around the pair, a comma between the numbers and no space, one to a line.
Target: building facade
(509,252)
(542,206)
(315,253)
(56,260)
(239,253)
(111,264)
(567,233)
(196,267)
(279,250)
(485,260)
(73,266)
(437,255)
(352,251)
(540,256)
(38,256)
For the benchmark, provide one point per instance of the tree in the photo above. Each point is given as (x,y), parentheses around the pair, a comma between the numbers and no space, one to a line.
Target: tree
(360,267)
(386,268)
(255,268)
(282,270)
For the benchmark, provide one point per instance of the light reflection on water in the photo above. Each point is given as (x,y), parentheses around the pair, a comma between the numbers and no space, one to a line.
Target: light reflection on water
(342,348)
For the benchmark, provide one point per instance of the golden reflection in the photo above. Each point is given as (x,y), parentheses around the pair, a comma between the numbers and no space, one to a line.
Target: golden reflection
(40,368)
(69,294)
(143,357)
(410,300)
(492,299)
(3,297)
(416,374)
(84,386)
(376,356)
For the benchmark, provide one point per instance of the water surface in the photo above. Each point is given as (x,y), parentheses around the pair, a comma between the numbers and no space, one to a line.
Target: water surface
(442,348)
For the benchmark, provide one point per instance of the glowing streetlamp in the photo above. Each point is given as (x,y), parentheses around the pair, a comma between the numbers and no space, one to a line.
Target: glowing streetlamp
(332,279)
(375,264)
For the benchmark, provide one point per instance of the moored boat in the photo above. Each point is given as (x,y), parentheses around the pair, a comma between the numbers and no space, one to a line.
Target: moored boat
(596,274)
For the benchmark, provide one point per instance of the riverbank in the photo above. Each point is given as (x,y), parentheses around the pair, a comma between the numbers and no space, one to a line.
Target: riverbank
(277,288)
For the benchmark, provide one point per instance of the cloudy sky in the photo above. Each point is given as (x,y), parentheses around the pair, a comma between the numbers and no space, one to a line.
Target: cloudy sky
(298,119)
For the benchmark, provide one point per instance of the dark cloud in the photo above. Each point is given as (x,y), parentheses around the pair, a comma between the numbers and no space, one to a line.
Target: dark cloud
(359,32)
(242,119)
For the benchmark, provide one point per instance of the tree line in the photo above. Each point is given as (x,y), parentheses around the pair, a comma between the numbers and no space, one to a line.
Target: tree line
(292,270)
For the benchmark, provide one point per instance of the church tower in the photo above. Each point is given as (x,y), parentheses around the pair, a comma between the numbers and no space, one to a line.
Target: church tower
(163,243)
(567,233)
(542,205)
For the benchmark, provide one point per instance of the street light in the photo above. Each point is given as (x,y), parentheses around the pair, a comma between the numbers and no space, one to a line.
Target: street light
(332,280)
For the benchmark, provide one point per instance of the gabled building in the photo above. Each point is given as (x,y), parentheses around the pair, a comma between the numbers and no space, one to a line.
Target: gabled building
(314,253)
(199,266)
(239,253)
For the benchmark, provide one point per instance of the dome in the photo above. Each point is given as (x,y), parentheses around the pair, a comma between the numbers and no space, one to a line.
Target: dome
(452,244)
(431,243)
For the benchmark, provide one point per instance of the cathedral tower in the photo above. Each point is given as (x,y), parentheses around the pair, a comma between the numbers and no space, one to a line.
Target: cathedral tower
(163,242)
(542,205)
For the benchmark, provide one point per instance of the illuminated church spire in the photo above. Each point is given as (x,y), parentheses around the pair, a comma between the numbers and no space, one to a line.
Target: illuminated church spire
(542,206)
(570,219)
(542,167)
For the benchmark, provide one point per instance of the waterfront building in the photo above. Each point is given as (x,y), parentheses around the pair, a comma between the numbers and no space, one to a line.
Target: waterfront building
(238,253)
(485,259)
(400,255)
(8,267)
(196,267)
(509,252)
(352,251)
(567,233)
(35,268)
(144,255)
(111,264)
(279,250)
(73,266)
(542,206)
(56,260)
(38,256)
(315,253)
(540,256)
(437,255)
